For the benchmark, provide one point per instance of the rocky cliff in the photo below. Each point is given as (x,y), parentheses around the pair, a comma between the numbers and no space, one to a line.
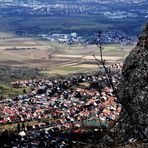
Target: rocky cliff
(133,92)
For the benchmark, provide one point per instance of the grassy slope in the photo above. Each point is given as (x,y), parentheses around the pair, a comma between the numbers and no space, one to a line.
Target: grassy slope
(65,70)
(6,90)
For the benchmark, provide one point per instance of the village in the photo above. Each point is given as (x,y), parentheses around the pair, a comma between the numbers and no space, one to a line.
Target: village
(110,37)
(77,102)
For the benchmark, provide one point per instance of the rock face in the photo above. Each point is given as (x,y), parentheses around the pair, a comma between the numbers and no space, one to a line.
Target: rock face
(133,90)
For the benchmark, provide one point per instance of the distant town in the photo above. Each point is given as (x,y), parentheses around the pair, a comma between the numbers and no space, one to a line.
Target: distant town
(122,9)
(110,37)
(75,21)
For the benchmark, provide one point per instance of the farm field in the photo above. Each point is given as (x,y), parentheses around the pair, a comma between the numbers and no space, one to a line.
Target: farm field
(56,58)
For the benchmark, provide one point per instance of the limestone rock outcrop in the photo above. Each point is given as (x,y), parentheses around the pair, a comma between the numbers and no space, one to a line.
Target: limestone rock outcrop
(133,90)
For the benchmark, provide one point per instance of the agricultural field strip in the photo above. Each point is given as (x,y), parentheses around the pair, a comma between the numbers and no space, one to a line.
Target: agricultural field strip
(86,57)
(61,55)
(14,56)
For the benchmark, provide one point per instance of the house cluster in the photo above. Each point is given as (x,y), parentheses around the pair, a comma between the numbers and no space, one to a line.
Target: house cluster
(108,37)
(71,38)
(59,99)
(54,7)
(60,104)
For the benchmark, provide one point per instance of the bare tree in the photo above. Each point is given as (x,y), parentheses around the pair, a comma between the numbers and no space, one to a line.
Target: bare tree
(125,104)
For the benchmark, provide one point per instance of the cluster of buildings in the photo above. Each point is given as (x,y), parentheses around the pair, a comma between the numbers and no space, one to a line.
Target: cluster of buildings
(53,7)
(78,7)
(109,37)
(63,108)
(71,38)
(57,99)
(115,12)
